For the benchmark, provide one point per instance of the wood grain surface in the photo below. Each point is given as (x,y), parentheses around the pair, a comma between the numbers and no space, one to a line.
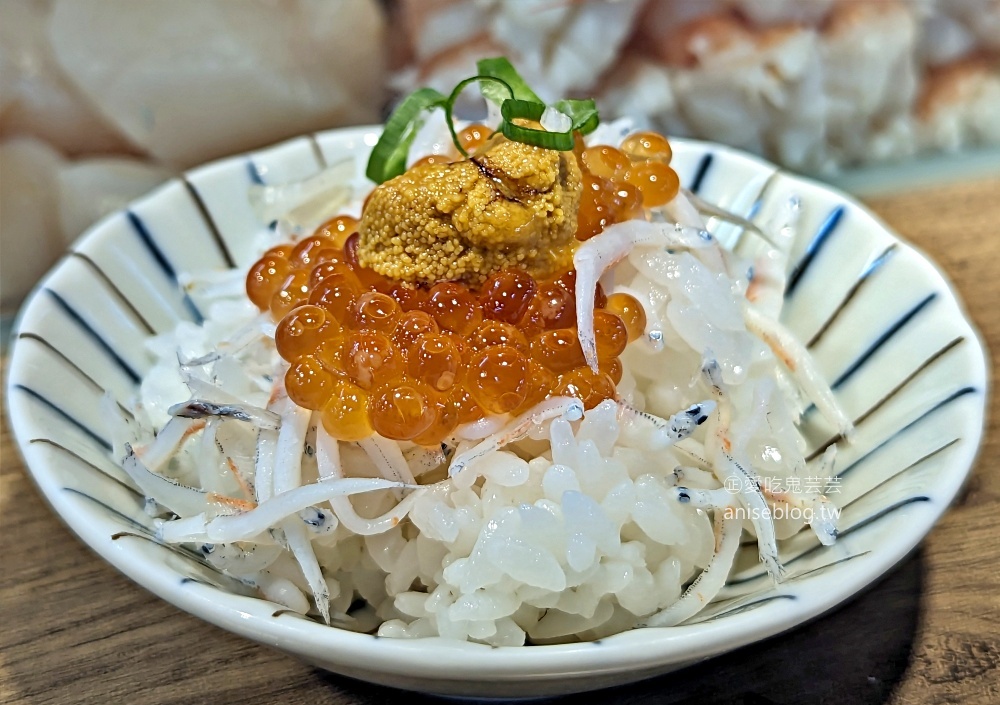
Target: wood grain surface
(73,630)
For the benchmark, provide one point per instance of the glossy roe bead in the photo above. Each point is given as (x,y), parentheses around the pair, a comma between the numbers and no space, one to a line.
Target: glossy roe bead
(559,350)
(308,384)
(435,360)
(604,161)
(554,306)
(339,229)
(431,159)
(370,359)
(490,333)
(408,298)
(328,268)
(337,295)
(410,326)
(374,311)
(657,182)
(454,308)
(265,278)
(473,137)
(345,415)
(445,422)
(507,294)
(540,382)
(586,385)
(647,145)
(301,331)
(304,254)
(497,378)
(610,333)
(633,315)
(403,410)
(294,291)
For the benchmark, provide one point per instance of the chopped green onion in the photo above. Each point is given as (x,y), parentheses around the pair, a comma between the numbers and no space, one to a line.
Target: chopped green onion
(530,110)
(496,85)
(500,84)
(583,113)
(502,70)
(388,157)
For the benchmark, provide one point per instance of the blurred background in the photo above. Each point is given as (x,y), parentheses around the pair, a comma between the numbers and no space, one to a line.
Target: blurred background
(100,100)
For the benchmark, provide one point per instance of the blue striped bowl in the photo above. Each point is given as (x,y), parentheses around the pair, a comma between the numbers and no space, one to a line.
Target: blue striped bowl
(883,324)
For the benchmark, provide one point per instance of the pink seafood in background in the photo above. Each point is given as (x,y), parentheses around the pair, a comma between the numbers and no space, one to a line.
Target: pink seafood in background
(816,85)
(157,87)
(560,46)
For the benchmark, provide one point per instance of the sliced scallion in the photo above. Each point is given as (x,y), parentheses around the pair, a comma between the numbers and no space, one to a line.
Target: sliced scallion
(583,113)
(496,84)
(529,110)
(388,157)
(500,68)
(500,84)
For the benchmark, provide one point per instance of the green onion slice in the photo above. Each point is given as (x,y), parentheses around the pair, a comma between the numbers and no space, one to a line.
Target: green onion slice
(583,113)
(497,85)
(388,157)
(502,70)
(501,84)
(512,109)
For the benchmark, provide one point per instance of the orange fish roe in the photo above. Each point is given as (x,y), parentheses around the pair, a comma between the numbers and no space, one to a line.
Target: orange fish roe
(473,137)
(433,159)
(647,145)
(373,355)
(628,308)
(619,183)
(369,365)
(339,229)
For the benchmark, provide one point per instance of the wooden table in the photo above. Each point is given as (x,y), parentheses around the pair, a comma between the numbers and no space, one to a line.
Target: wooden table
(73,630)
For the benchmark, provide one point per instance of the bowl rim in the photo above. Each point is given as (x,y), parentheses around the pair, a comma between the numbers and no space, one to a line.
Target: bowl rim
(633,650)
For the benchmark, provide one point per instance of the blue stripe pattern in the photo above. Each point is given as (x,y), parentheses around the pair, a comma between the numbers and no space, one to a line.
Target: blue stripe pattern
(745,607)
(254,172)
(699,175)
(937,407)
(112,511)
(876,263)
(176,549)
(147,239)
(89,465)
(820,449)
(872,267)
(881,340)
(317,151)
(199,204)
(258,180)
(97,438)
(122,299)
(133,375)
(815,245)
(867,521)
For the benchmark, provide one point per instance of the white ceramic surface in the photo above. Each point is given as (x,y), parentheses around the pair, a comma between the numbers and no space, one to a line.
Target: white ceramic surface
(883,324)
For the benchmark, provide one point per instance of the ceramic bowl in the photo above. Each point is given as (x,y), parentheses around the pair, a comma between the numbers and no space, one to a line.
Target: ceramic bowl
(881,321)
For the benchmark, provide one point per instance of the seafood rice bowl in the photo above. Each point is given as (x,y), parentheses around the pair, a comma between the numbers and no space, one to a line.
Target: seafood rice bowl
(506,389)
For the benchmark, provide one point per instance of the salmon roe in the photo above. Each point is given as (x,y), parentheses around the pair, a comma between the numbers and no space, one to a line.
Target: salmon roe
(432,159)
(619,183)
(473,137)
(339,229)
(647,145)
(372,355)
(413,364)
